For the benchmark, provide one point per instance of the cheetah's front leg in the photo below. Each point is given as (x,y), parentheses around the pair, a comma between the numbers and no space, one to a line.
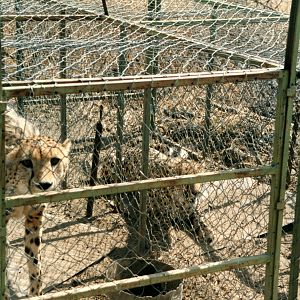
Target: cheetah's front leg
(33,234)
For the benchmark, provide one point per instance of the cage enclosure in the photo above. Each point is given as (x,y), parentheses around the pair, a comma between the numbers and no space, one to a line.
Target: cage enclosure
(179,117)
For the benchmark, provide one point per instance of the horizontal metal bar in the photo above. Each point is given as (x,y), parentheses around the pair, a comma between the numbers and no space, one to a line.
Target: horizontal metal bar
(209,22)
(208,48)
(166,22)
(240,72)
(125,187)
(60,86)
(7,18)
(118,285)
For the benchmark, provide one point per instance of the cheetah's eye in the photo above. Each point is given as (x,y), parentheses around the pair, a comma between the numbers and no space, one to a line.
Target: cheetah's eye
(27,163)
(54,161)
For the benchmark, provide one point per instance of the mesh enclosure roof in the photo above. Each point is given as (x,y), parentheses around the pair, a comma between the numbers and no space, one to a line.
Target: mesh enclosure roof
(184,36)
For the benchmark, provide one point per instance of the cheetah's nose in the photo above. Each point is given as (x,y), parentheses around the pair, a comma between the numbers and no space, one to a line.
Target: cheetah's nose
(44,186)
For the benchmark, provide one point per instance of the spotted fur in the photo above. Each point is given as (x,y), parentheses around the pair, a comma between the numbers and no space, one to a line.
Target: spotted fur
(34,164)
(169,207)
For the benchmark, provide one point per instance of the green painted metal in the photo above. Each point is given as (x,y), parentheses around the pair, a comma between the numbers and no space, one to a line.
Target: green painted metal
(144,198)
(154,8)
(291,66)
(63,74)
(121,106)
(276,202)
(19,56)
(292,45)
(63,98)
(286,94)
(133,186)
(295,255)
(209,87)
(219,21)
(152,68)
(58,87)
(118,285)
(228,76)
(147,127)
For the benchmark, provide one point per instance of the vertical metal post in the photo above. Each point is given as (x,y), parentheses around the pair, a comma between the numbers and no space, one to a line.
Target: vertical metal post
(19,56)
(105,7)
(154,7)
(295,255)
(121,107)
(282,127)
(63,74)
(286,94)
(2,177)
(145,169)
(148,125)
(63,98)
(209,88)
(120,112)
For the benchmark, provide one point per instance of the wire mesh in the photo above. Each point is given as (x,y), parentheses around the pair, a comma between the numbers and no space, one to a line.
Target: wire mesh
(191,129)
(185,225)
(186,47)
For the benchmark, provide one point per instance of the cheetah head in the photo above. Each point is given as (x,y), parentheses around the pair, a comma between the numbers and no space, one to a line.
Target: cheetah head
(37,164)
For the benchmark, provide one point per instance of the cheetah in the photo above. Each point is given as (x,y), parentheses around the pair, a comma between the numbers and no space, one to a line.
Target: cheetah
(34,164)
(174,207)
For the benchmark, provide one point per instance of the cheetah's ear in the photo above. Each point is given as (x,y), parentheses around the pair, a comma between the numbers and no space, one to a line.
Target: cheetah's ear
(67,145)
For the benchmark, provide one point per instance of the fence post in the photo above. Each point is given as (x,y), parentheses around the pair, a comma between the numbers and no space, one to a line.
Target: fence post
(120,107)
(286,94)
(19,56)
(63,98)
(154,7)
(209,88)
(145,169)
(148,124)
(63,74)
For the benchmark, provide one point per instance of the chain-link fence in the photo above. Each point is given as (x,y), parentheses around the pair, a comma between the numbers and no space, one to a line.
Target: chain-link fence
(179,115)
